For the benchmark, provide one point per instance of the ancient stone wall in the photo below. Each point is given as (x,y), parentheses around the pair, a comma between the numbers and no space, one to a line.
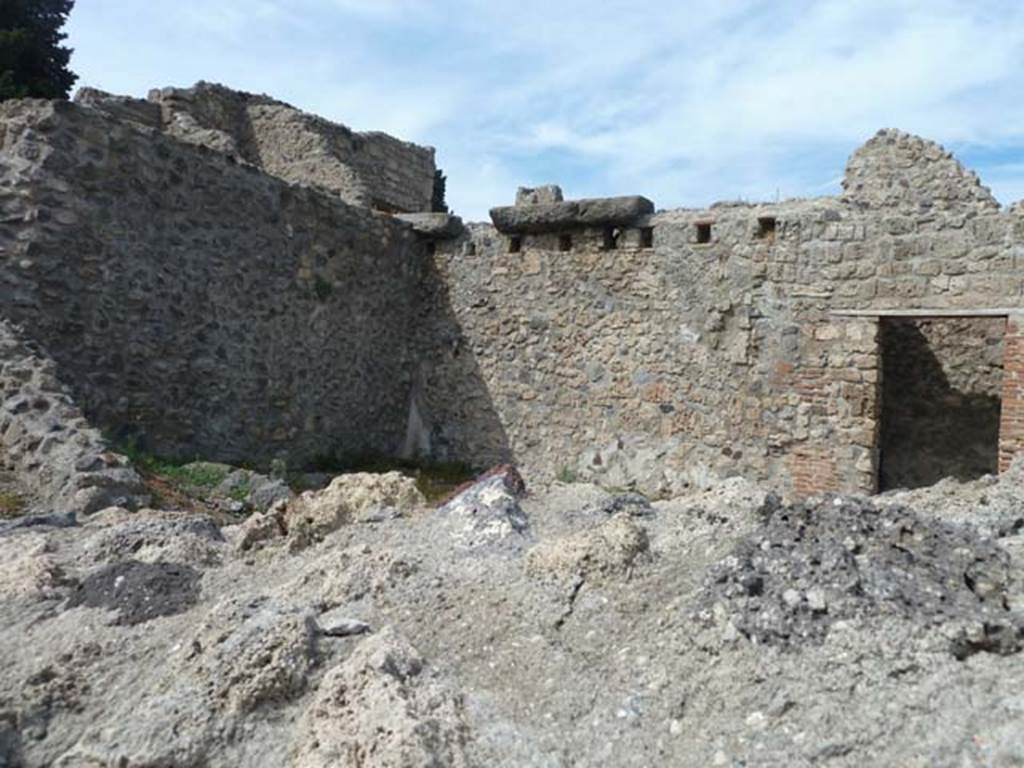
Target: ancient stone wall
(45,438)
(205,307)
(698,343)
(198,305)
(366,169)
(899,171)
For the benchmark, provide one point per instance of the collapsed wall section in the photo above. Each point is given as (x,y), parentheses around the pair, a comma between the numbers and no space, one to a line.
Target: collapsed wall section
(895,170)
(199,306)
(365,169)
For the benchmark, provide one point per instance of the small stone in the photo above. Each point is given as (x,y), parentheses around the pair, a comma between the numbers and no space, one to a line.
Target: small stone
(792,598)
(752,584)
(816,600)
(342,626)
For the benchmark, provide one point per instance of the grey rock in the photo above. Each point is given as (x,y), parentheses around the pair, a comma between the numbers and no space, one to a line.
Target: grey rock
(383,702)
(158,537)
(599,616)
(896,170)
(365,169)
(487,512)
(553,217)
(260,491)
(816,600)
(145,113)
(633,504)
(55,520)
(901,563)
(48,442)
(336,624)
(434,225)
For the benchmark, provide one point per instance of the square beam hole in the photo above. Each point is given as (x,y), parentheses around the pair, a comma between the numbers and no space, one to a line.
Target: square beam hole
(565,242)
(611,238)
(703,232)
(515,244)
(766,226)
(647,237)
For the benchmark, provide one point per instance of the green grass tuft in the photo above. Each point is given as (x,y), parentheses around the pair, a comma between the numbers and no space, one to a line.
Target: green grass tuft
(435,480)
(11,504)
(195,474)
(567,475)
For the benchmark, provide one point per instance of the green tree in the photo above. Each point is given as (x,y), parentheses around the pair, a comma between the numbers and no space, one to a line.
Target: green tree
(33,63)
(437,203)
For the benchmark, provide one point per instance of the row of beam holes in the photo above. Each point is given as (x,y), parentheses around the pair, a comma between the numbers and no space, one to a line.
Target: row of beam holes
(766,226)
(611,240)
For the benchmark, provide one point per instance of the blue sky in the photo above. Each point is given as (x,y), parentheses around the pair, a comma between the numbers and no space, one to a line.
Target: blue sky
(685,102)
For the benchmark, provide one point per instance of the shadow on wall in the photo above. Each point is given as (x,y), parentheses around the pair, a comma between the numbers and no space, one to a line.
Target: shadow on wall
(931,427)
(458,419)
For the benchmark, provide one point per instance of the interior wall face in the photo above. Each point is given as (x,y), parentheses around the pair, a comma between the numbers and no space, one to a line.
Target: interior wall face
(214,310)
(941,392)
(201,307)
(688,360)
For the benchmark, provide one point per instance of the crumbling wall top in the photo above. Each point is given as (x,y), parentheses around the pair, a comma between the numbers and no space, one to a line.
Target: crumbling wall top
(366,169)
(899,170)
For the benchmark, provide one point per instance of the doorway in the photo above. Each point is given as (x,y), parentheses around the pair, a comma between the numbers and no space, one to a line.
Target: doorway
(941,395)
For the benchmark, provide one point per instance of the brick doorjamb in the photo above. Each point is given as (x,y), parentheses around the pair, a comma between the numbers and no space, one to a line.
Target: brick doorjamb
(1011,417)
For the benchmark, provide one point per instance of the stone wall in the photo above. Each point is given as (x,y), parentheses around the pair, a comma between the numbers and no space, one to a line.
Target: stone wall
(365,169)
(198,305)
(899,171)
(668,364)
(205,307)
(45,437)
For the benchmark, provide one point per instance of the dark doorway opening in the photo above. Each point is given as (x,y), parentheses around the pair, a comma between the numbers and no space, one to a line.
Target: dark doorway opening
(941,385)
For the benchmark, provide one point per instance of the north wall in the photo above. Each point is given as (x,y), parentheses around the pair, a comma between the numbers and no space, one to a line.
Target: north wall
(199,306)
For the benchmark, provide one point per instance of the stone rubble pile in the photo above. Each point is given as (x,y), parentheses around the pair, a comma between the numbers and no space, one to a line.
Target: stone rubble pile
(809,566)
(565,626)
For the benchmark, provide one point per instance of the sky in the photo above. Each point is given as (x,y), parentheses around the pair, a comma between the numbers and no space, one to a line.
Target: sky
(684,102)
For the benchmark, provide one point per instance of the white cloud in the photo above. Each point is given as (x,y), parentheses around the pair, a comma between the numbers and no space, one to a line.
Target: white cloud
(685,102)
(375,8)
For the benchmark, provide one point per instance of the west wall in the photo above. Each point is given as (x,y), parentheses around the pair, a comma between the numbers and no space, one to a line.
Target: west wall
(197,305)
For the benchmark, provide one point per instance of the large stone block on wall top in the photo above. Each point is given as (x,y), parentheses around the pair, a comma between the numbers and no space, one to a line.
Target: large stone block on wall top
(589,212)
(437,225)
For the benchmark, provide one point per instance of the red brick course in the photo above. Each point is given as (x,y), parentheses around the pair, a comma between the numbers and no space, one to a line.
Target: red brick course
(1011,420)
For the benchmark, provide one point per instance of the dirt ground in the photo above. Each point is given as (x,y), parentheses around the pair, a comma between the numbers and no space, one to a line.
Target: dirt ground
(567,627)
